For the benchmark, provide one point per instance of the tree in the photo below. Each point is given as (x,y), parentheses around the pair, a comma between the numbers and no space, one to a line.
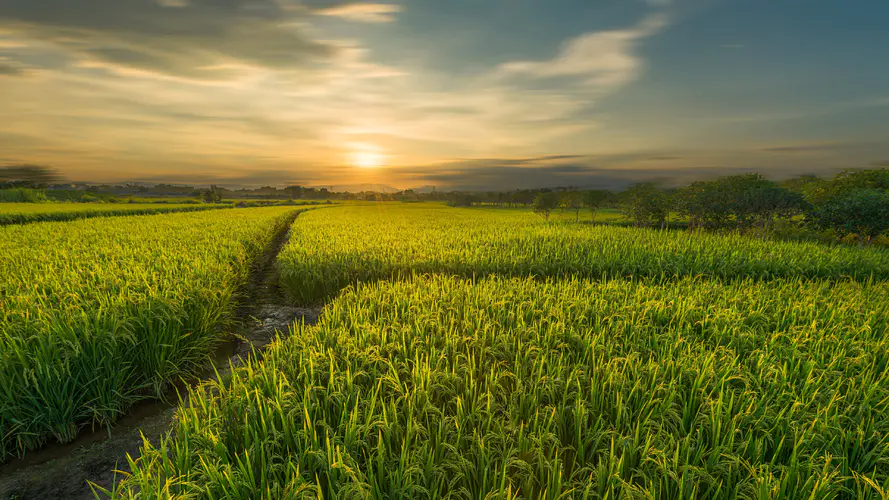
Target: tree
(523,197)
(544,203)
(594,199)
(767,203)
(572,200)
(757,201)
(740,196)
(408,195)
(864,212)
(811,187)
(705,203)
(294,192)
(212,195)
(646,205)
(746,200)
(462,200)
(850,180)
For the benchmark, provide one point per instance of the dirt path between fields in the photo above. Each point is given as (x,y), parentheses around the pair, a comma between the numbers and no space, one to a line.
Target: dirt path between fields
(63,471)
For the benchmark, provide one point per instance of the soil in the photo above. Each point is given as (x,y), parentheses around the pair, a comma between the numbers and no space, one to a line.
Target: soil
(63,471)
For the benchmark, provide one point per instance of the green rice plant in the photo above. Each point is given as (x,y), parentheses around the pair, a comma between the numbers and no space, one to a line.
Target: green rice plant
(350,244)
(440,387)
(25,213)
(98,314)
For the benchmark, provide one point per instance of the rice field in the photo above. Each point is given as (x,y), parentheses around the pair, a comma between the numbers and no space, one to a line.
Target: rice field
(441,387)
(460,353)
(97,314)
(24,213)
(334,248)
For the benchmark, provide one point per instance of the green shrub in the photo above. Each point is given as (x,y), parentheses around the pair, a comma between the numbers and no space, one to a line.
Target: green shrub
(864,212)
(22,195)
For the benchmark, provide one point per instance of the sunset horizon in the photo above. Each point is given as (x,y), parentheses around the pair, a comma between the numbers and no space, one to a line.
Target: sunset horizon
(462,95)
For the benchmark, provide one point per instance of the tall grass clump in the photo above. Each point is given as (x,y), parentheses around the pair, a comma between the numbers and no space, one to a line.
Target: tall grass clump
(437,387)
(345,245)
(26,213)
(97,314)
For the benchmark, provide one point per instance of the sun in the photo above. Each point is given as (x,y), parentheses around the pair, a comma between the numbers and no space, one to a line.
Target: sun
(367,159)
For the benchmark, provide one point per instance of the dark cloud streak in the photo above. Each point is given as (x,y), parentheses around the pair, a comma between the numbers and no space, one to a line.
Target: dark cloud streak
(803,148)
(278,178)
(10,69)
(199,39)
(592,171)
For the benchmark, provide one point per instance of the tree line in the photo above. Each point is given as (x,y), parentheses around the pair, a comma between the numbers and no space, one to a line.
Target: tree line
(854,202)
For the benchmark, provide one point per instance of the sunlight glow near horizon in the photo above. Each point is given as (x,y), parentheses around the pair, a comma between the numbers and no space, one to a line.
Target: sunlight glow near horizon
(366,159)
(334,92)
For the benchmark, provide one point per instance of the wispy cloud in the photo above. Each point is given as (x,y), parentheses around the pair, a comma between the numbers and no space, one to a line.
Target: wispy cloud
(279,114)
(363,12)
(604,59)
(819,147)
(249,92)
(619,170)
(200,39)
(814,111)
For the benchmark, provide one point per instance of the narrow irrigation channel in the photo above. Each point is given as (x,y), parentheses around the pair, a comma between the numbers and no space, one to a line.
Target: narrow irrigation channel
(63,471)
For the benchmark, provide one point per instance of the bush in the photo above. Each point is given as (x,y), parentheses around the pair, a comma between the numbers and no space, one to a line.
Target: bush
(22,195)
(646,205)
(863,212)
(212,195)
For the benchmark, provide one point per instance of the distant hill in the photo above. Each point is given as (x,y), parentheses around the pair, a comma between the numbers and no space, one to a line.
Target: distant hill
(424,189)
(360,188)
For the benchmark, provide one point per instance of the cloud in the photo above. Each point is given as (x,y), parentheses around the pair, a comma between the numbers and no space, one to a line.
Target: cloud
(301,108)
(8,68)
(805,148)
(806,113)
(481,176)
(599,171)
(363,12)
(600,60)
(232,180)
(616,171)
(197,39)
(520,106)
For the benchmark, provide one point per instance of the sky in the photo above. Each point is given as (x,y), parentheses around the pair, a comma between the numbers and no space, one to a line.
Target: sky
(457,94)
